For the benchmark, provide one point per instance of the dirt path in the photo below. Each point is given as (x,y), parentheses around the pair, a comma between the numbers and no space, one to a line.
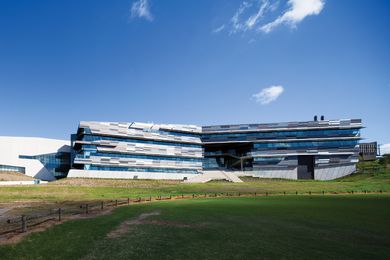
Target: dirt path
(142,220)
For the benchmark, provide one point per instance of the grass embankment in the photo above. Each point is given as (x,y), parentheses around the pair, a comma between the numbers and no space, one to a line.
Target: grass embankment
(292,227)
(92,189)
(14,176)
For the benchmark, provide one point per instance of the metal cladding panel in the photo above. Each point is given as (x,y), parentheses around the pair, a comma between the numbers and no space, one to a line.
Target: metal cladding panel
(170,127)
(133,162)
(126,130)
(149,149)
(325,124)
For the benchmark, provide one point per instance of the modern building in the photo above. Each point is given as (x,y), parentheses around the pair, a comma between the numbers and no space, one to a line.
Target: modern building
(136,150)
(323,150)
(368,151)
(40,158)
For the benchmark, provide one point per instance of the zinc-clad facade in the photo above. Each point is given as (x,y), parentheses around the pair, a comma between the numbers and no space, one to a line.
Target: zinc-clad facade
(325,149)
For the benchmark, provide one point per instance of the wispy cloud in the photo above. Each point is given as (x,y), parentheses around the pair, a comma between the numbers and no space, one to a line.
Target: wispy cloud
(252,15)
(141,9)
(248,14)
(299,9)
(268,95)
(220,28)
(385,149)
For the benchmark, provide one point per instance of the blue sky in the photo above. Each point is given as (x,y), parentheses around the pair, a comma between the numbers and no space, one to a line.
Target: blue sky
(202,62)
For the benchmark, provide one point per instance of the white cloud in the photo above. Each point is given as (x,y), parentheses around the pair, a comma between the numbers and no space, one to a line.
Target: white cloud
(267,95)
(141,9)
(262,15)
(220,28)
(299,9)
(385,149)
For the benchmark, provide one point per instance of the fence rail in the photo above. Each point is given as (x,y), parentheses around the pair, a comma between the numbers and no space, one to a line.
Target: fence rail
(22,223)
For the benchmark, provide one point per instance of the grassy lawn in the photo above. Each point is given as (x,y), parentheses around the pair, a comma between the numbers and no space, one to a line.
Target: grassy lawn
(292,227)
(91,189)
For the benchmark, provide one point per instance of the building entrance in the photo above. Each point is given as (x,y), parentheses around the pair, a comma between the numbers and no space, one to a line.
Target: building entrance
(306,167)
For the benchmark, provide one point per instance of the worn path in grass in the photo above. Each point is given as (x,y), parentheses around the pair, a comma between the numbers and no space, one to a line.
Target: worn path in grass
(291,227)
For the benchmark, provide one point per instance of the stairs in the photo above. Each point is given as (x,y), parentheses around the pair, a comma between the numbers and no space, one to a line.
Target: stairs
(207,176)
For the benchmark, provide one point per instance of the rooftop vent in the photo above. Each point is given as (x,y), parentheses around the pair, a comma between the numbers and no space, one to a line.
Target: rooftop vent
(315,118)
(322,118)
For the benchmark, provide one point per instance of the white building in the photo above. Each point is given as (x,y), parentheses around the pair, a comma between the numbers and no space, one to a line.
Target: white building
(40,158)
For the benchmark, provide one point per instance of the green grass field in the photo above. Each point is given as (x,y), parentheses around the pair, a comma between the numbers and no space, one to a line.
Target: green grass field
(278,227)
(91,189)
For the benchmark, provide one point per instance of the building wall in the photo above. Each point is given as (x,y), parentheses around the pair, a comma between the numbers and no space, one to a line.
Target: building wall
(178,151)
(74,173)
(12,148)
(109,150)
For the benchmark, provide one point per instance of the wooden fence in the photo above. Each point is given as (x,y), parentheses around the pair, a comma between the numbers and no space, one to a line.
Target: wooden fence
(26,221)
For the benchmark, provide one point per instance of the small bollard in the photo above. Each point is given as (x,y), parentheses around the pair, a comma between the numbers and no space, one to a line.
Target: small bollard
(239,194)
(86,209)
(128,201)
(182,196)
(296,193)
(323,192)
(309,192)
(102,205)
(284,193)
(116,203)
(193,195)
(59,214)
(266,194)
(255,194)
(24,223)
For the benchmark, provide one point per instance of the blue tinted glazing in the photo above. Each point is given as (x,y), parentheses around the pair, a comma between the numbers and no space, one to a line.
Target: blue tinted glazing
(313,145)
(283,134)
(111,168)
(91,138)
(56,163)
(137,156)
(9,168)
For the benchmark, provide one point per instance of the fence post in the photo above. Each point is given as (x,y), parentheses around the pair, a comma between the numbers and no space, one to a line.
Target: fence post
(24,223)
(309,192)
(116,203)
(266,194)
(323,192)
(59,214)
(239,194)
(255,194)
(193,195)
(101,205)
(284,193)
(296,193)
(86,209)
(182,196)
